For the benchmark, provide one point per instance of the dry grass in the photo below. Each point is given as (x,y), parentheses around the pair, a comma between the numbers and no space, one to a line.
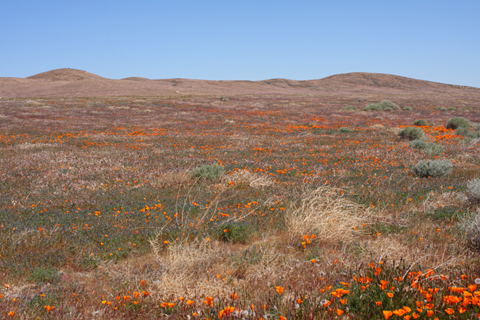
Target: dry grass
(186,266)
(328,215)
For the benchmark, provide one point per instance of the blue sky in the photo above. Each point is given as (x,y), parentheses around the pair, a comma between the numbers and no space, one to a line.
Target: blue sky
(243,39)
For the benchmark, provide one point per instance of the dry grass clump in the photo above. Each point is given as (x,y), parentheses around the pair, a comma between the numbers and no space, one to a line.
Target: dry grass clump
(185,266)
(253,180)
(444,199)
(328,215)
(171,179)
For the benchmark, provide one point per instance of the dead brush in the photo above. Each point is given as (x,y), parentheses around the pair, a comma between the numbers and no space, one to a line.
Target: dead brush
(186,265)
(172,179)
(253,180)
(327,214)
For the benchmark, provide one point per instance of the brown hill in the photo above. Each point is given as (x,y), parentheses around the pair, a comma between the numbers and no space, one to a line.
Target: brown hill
(78,83)
(65,74)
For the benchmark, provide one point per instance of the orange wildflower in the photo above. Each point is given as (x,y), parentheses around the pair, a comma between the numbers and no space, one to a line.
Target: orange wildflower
(387,314)
(450,311)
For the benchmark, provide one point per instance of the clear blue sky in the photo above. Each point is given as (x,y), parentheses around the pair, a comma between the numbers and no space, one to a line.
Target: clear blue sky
(432,40)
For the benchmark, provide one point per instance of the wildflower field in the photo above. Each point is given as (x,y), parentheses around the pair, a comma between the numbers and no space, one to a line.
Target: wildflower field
(240,207)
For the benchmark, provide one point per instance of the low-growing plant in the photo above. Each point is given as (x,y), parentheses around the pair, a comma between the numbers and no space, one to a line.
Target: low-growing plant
(418,144)
(473,191)
(345,130)
(434,149)
(408,109)
(445,213)
(373,106)
(411,133)
(420,123)
(442,109)
(457,122)
(235,231)
(432,168)
(389,104)
(349,108)
(225,99)
(472,135)
(452,108)
(43,275)
(385,105)
(209,172)
(462,131)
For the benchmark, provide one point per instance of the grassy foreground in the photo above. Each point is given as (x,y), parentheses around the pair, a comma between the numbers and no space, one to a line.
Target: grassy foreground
(256,207)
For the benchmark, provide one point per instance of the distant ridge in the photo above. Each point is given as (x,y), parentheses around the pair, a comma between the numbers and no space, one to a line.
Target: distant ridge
(135,79)
(78,83)
(65,74)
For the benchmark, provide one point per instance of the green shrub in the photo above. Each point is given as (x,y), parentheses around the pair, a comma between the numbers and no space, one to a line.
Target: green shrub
(235,231)
(472,135)
(373,106)
(452,108)
(349,108)
(44,275)
(473,191)
(225,99)
(385,105)
(408,109)
(432,168)
(345,130)
(457,122)
(209,172)
(418,144)
(434,149)
(411,133)
(388,104)
(442,109)
(462,131)
(420,123)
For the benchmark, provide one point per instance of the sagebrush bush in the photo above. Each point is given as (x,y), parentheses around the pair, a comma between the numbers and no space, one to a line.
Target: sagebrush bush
(457,122)
(418,144)
(420,123)
(473,191)
(432,168)
(434,149)
(411,133)
(462,131)
(472,231)
(345,130)
(373,106)
(385,105)
(209,172)
(472,135)
(408,109)
(388,104)
(224,99)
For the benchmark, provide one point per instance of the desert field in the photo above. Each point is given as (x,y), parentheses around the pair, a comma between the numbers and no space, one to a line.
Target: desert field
(327,199)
